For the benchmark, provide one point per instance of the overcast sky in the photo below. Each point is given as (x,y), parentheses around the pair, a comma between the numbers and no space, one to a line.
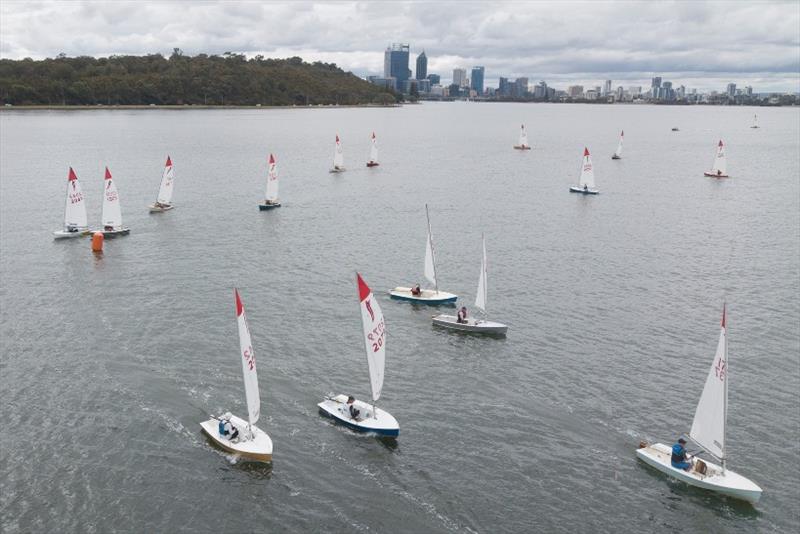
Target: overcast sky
(700,45)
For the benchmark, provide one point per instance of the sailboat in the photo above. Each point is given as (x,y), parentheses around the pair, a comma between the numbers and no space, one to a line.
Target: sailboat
(718,170)
(586,181)
(111,217)
(363,416)
(480,326)
(338,157)
(373,153)
(755,121)
(523,140)
(252,442)
(618,153)
(75,221)
(426,296)
(271,195)
(708,432)
(164,199)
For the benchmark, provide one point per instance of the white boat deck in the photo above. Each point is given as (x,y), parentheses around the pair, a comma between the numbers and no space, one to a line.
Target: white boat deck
(478,326)
(380,421)
(257,448)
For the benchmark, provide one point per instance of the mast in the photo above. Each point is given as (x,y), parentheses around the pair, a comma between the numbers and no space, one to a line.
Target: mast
(433,254)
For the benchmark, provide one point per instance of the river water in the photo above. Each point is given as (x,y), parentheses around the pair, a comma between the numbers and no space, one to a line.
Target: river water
(109,363)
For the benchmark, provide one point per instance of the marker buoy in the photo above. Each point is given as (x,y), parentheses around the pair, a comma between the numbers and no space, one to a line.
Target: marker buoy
(97,242)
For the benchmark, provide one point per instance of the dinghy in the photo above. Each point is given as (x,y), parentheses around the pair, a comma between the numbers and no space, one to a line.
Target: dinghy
(338,157)
(755,121)
(426,296)
(675,130)
(708,432)
(373,153)
(618,153)
(164,199)
(523,140)
(271,195)
(366,417)
(477,326)
(111,217)
(718,170)
(586,181)
(75,221)
(252,443)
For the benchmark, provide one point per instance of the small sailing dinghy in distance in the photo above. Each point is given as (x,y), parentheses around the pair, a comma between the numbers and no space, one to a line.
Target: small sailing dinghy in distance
(426,296)
(523,139)
(755,121)
(111,217)
(271,195)
(618,153)
(251,443)
(718,170)
(164,200)
(373,153)
(586,181)
(75,221)
(338,157)
(358,415)
(477,326)
(708,432)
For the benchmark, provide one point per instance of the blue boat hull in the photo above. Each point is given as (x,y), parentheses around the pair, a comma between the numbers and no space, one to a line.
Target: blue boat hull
(378,432)
(429,302)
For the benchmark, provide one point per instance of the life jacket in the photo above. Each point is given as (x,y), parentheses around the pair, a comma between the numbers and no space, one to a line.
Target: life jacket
(678,453)
(221,427)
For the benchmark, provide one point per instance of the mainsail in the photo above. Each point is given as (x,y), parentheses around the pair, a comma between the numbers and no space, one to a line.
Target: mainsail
(708,427)
(248,363)
(480,298)
(719,160)
(338,156)
(167,183)
(112,212)
(75,208)
(587,170)
(373,151)
(430,259)
(374,336)
(271,193)
(523,136)
(618,153)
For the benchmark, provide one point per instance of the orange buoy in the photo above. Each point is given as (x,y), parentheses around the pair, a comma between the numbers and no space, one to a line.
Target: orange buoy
(97,242)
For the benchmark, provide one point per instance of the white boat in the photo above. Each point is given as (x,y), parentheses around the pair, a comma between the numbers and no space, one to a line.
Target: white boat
(373,152)
(586,182)
(426,296)
(338,157)
(75,221)
(755,121)
(618,153)
(719,169)
(708,432)
(478,326)
(523,140)
(369,417)
(252,442)
(111,218)
(271,194)
(164,199)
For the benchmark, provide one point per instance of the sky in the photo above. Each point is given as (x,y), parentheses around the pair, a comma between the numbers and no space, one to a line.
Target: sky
(702,45)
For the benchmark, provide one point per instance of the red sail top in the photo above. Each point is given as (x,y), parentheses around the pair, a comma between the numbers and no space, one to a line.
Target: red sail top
(239,307)
(723,315)
(271,159)
(71,176)
(337,138)
(108,174)
(363,289)
(585,152)
(169,162)
(720,142)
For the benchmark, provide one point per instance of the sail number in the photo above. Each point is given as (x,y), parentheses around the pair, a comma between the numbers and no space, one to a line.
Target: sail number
(74,198)
(376,336)
(719,369)
(111,196)
(249,358)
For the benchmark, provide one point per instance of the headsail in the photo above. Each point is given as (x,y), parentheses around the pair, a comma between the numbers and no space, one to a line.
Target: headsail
(618,153)
(374,336)
(523,136)
(708,427)
(587,170)
(248,363)
(167,183)
(75,208)
(480,298)
(719,160)
(430,258)
(272,181)
(373,151)
(338,156)
(112,212)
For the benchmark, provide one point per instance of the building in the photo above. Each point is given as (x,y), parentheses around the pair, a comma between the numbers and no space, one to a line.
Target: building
(607,88)
(477,79)
(731,90)
(395,63)
(422,66)
(460,77)
(520,87)
(619,94)
(540,91)
(389,83)
(503,87)
(655,82)
(575,91)
(435,79)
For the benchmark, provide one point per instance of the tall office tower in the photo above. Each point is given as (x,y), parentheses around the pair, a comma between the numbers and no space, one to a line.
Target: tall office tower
(422,66)
(460,77)
(731,90)
(656,82)
(477,79)
(435,79)
(607,88)
(395,63)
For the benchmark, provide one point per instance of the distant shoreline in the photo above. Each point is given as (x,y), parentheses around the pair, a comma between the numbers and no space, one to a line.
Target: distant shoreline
(46,107)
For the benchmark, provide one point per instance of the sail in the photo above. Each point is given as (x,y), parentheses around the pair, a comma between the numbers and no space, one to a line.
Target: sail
(338,156)
(112,212)
(719,161)
(523,136)
(618,153)
(373,150)
(167,183)
(587,170)
(75,209)
(248,363)
(480,298)
(374,336)
(430,259)
(755,121)
(708,427)
(272,181)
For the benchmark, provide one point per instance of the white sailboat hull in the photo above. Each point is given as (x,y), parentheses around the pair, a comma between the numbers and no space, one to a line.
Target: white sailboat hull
(65,234)
(476,326)
(712,174)
(426,296)
(522,147)
(730,483)
(575,189)
(158,209)
(337,169)
(379,422)
(258,448)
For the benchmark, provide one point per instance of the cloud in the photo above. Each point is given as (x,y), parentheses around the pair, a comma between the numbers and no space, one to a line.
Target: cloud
(697,44)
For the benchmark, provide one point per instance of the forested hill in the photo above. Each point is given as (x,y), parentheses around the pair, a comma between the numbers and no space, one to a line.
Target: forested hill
(230,79)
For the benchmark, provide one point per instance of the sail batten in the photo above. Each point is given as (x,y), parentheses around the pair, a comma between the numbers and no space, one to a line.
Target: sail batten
(708,426)
(167,184)
(249,371)
(374,329)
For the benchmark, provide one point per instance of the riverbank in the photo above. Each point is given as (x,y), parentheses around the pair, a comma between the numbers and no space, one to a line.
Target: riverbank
(187,106)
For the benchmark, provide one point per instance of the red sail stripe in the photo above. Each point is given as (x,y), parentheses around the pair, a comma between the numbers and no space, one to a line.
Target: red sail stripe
(363,289)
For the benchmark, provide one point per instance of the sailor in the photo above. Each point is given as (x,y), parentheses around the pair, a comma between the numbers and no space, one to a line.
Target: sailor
(462,315)
(351,408)
(679,456)
(719,172)
(585,187)
(416,291)
(227,429)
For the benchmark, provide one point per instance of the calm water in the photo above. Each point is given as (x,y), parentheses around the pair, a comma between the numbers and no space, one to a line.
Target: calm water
(109,364)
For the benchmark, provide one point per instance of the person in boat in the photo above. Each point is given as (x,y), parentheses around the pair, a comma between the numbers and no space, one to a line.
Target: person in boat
(680,456)
(227,429)
(351,408)
(108,228)
(719,172)
(585,187)
(462,315)
(416,291)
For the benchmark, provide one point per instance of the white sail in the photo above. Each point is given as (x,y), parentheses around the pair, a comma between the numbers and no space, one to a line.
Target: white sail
(248,363)
(430,259)
(719,166)
(523,136)
(75,208)
(373,150)
(167,183)
(480,298)
(755,121)
(112,212)
(618,153)
(338,156)
(708,427)
(587,170)
(374,336)
(272,181)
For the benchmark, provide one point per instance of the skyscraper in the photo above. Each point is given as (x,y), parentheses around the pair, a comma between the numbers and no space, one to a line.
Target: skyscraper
(422,66)
(731,90)
(395,63)
(607,88)
(460,77)
(477,79)
(435,79)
